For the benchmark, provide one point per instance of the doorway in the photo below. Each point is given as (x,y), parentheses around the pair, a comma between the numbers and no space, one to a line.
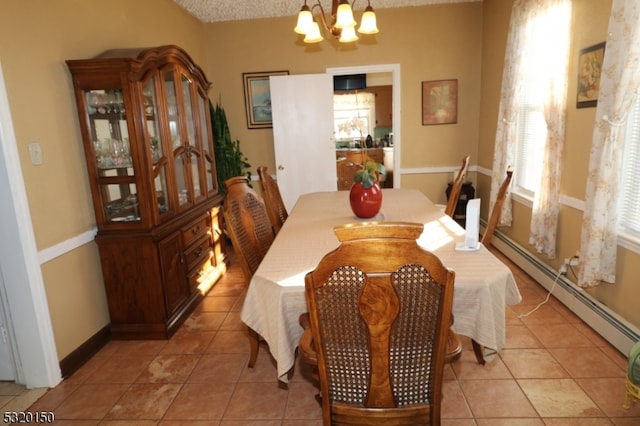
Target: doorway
(394,71)
(28,324)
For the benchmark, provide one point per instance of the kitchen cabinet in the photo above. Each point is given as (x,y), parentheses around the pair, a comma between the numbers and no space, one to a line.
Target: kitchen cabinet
(384,101)
(355,155)
(146,131)
(346,156)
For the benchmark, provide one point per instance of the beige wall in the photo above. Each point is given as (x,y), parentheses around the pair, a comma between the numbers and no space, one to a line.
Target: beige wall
(36,37)
(464,41)
(444,42)
(590,22)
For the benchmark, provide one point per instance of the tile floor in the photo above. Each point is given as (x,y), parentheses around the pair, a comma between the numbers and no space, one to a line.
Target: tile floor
(554,370)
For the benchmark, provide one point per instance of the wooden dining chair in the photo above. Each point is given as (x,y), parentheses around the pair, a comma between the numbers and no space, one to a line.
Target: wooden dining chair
(346,169)
(272,199)
(494,217)
(251,234)
(454,346)
(454,195)
(379,310)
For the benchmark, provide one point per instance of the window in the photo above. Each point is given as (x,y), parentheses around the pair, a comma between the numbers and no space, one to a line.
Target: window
(542,71)
(354,116)
(532,133)
(629,200)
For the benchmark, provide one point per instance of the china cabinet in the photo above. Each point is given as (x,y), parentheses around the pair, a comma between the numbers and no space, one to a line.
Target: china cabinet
(146,131)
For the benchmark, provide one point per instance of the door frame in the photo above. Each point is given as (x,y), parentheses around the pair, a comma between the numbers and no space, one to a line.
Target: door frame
(394,69)
(29,321)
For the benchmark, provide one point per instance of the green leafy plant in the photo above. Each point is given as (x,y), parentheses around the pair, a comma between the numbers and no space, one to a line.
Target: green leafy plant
(230,161)
(369,173)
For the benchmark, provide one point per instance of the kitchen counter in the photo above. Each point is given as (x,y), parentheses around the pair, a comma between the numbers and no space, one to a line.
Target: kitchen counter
(355,154)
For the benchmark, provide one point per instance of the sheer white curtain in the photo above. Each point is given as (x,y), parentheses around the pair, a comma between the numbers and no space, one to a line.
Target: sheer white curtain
(506,132)
(619,85)
(550,63)
(536,57)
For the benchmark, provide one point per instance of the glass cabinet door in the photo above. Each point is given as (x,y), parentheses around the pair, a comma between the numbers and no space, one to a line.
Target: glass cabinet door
(112,155)
(179,151)
(193,148)
(184,106)
(154,144)
(207,145)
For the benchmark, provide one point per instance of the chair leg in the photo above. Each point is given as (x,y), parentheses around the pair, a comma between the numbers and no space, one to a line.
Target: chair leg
(478,350)
(454,348)
(254,342)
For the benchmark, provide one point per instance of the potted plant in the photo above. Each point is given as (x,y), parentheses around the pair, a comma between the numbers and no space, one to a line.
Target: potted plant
(366,195)
(230,161)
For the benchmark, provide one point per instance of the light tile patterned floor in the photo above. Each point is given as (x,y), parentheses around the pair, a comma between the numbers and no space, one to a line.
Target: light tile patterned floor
(554,370)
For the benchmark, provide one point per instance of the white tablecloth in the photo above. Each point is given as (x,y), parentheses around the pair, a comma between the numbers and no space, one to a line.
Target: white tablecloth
(484,286)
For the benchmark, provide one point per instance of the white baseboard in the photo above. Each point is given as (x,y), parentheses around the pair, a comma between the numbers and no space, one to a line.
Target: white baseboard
(613,328)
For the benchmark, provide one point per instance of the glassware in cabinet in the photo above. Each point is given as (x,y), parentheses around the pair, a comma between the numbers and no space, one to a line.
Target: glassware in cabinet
(155,146)
(146,131)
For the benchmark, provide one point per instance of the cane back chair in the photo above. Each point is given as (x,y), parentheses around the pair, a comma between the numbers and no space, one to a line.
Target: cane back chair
(251,233)
(272,199)
(379,312)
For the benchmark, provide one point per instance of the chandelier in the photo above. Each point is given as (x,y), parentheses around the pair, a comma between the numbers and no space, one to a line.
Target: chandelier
(342,26)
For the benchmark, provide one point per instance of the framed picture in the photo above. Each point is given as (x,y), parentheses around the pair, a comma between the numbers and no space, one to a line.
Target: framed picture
(439,102)
(257,98)
(589,70)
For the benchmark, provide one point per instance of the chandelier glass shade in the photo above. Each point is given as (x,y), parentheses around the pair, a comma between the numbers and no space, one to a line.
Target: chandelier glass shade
(342,24)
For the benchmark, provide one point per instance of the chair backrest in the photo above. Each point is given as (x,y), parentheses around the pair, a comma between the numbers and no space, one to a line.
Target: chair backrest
(247,224)
(494,217)
(454,195)
(379,309)
(346,170)
(272,199)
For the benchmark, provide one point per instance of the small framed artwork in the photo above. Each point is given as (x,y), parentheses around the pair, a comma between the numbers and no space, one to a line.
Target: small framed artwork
(257,98)
(589,70)
(439,102)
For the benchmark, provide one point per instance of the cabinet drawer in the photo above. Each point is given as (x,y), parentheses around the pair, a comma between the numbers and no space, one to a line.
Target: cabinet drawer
(199,252)
(195,230)
(200,277)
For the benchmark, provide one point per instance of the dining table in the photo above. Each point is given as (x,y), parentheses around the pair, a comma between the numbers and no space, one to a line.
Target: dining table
(484,286)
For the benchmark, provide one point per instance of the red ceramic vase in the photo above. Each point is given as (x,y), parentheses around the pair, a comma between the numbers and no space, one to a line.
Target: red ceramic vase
(365,202)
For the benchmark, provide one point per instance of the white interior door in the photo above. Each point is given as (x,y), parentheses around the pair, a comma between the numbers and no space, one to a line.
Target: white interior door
(7,363)
(305,151)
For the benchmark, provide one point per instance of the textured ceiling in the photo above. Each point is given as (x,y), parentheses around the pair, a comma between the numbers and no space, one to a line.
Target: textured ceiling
(233,10)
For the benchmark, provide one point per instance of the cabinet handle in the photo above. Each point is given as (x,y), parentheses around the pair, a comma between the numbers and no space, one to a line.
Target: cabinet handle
(198,252)
(195,230)
(280,167)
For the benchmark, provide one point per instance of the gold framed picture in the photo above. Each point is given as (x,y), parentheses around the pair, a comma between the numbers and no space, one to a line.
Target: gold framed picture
(439,102)
(589,70)
(257,98)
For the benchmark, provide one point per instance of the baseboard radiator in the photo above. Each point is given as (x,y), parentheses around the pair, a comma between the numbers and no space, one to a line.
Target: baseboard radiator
(613,328)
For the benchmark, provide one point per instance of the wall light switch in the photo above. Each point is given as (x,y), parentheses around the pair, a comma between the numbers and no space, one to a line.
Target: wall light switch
(35,153)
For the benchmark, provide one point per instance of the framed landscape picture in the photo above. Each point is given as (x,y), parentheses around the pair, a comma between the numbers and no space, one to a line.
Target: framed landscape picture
(439,102)
(589,70)
(257,98)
